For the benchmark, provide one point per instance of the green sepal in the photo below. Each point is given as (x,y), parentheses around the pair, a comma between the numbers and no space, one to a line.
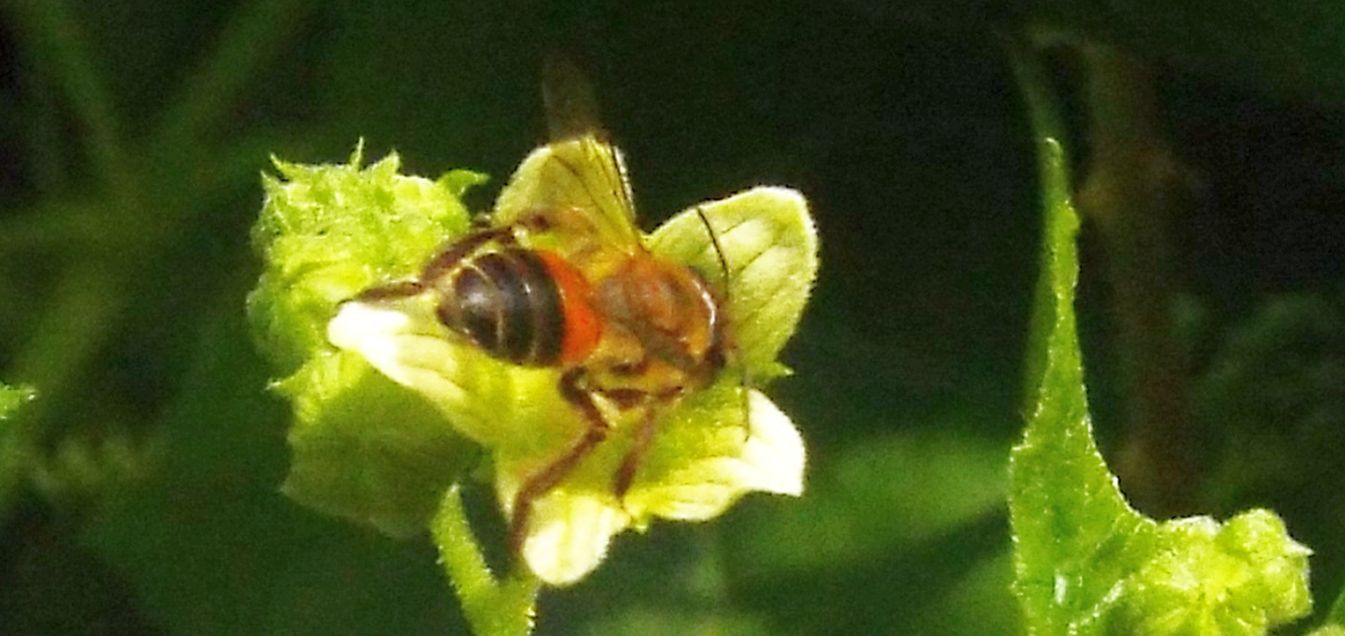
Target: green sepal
(364,448)
(457,182)
(326,232)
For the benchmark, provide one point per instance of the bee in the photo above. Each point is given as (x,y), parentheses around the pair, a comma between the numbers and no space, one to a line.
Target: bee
(561,279)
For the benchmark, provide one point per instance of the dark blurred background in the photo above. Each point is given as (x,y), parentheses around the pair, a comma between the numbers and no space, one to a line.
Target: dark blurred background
(138,493)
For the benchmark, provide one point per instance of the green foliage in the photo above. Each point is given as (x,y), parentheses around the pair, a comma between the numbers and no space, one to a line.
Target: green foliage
(11,398)
(135,132)
(1086,562)
(1277,384)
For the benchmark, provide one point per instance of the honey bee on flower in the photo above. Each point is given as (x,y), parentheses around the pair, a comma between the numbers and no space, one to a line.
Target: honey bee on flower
(606,371)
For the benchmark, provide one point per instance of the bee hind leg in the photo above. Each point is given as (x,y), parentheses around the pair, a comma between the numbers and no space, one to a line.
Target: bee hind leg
(548,477)
(441,265)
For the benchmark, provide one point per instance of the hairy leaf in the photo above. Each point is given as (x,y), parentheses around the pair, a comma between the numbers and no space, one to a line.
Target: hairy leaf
(1086,562)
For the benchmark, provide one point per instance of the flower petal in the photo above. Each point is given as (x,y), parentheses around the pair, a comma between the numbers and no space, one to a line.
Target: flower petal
(568,534)
(394,344)
(774,457)
(770,247)
(496,404)
(770,460)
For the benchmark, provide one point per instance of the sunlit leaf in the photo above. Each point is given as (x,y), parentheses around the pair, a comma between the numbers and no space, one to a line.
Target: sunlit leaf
(11,398)
(1086,562)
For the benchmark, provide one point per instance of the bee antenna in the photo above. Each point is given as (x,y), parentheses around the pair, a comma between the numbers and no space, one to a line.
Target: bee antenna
(745,386)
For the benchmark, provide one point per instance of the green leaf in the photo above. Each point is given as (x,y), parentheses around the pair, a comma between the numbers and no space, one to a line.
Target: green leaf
(1086,562)
(770,249)
(363,448)
(11,398)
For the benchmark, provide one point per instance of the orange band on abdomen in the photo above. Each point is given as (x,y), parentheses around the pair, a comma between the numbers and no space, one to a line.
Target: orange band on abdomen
(583,327)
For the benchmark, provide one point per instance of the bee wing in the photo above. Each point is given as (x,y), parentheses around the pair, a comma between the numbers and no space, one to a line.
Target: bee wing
(569,97)
(581,179)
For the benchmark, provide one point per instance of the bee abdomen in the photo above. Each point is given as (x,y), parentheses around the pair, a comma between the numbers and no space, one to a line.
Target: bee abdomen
(508,304)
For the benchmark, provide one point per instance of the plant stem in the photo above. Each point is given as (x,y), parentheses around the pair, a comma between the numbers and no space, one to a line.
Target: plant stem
(493,608)
(1134,188)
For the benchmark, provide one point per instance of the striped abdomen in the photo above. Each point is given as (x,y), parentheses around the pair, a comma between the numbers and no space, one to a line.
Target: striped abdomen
(528,307)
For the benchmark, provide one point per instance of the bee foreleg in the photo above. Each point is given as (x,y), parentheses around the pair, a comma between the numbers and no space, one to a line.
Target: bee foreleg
(544,480)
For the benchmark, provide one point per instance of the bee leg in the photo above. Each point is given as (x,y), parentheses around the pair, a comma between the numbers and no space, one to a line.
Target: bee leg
(630,464)
(448,260)
(390,291)
(552,474)
(441,264)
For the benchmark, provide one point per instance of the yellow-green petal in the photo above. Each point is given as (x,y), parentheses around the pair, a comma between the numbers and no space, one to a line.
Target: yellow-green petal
(568,534)
(724,466)
(504,407)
